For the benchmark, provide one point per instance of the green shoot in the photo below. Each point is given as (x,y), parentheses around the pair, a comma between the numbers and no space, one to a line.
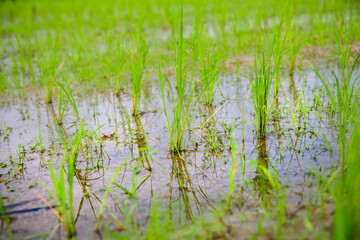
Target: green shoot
(66,201)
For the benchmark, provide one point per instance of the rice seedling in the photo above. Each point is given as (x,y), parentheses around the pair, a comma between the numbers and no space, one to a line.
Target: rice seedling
(115,62)
(343,93)
(49,65)
(294,111)
(70,98)
(21,155)
(5,218)
(278,46)
(177,123)
(293,45)
(304,105)
(232,170)
(62,197)
(346,194)
(138,59)
(6,132)
(209,69)
(264,72)
(38,142)
(62,108)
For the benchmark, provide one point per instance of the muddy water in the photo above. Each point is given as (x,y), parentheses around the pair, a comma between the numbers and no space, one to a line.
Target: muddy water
(188,185)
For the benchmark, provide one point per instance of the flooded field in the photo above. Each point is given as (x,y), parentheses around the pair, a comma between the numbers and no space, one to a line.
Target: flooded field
(188,184)
(179,120)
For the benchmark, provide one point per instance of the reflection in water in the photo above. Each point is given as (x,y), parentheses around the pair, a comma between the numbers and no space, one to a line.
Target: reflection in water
(123,112)
(141,141)
(295,151)
(83,178)
(185,189)
(261,181)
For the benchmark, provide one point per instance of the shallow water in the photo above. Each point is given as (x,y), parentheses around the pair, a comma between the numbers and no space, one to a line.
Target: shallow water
(188,185)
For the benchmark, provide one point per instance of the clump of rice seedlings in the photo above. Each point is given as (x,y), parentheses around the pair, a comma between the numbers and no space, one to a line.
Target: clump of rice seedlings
(64,199)
(115,63)
(344,91)
(138,58)
(179,58)
(177,123)
(265,69)
(209,69)
(49,66)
